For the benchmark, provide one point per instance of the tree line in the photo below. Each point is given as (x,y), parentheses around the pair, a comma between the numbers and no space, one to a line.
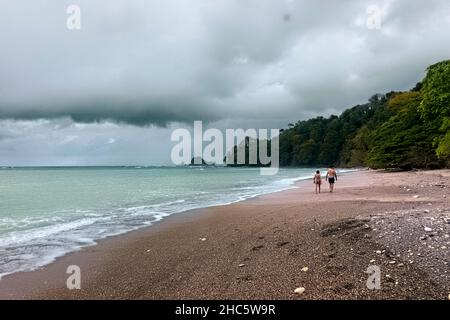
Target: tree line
(403,130)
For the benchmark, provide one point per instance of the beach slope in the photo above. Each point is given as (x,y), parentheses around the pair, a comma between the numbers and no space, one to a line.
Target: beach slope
(266,247)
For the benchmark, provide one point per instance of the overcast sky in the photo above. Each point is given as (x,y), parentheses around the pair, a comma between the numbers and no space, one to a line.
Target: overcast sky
(111,92)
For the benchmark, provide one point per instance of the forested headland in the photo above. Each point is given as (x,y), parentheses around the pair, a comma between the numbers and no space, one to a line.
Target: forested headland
(403,130)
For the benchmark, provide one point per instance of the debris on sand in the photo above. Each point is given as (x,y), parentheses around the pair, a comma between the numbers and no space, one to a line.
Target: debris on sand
(305,269)
(241,265)
(418,236)
(299,291)
(202,239)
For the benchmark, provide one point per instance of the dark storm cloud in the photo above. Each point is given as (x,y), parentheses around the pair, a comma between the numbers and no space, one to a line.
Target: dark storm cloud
(158,62)
(139,113)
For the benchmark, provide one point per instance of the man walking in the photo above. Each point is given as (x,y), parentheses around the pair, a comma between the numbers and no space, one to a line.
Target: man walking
(331,177)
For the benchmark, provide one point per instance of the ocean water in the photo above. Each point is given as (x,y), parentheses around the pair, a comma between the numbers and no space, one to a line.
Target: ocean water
(48,212)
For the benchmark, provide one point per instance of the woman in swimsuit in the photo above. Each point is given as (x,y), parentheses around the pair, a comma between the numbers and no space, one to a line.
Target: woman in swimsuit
(317,180)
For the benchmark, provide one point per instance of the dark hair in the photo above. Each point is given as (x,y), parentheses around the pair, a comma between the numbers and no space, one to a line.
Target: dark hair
(317,171)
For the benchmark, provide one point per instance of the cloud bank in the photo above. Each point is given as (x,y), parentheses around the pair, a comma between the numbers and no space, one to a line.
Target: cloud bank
(159,62)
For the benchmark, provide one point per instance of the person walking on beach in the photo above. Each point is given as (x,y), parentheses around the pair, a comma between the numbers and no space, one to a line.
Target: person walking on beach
(331,177)
(317,180)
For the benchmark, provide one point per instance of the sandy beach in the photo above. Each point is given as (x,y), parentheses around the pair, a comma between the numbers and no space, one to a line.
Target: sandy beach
(260,248)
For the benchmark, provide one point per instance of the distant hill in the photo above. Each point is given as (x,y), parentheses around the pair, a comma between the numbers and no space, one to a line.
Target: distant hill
(244,148)
(200,162)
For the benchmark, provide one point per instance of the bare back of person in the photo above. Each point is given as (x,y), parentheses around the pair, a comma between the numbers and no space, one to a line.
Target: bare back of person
(331,173)
(331,177)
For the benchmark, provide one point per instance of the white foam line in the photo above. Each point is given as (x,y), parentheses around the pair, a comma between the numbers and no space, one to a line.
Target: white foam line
(45,232)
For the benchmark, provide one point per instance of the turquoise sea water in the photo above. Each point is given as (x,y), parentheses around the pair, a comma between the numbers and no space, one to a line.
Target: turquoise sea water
(47,212)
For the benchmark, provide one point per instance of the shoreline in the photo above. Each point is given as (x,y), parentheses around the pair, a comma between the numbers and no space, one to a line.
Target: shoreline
(170,260)
(163,217)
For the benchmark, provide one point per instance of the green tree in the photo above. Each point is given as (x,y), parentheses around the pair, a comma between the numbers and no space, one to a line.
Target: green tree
(435,106)
(404,141)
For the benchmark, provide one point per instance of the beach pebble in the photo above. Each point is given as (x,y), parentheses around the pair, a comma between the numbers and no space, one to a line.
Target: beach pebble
(378,252)
(305,269)
(299,291)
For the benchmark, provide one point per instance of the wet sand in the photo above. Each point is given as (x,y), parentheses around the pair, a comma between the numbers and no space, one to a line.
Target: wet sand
(256,249)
